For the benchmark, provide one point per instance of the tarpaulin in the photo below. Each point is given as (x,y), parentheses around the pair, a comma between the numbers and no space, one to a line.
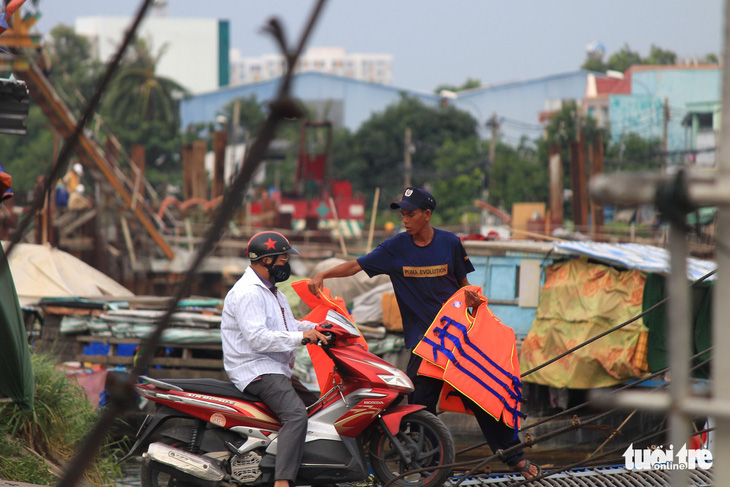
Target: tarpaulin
(656,321)
(16,371)
(41,271)
(580,300)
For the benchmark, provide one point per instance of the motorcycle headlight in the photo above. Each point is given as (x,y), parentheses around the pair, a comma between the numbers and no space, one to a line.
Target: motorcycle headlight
(399,380)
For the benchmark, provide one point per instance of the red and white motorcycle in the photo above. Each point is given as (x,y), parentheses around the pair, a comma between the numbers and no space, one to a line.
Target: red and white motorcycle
(206,432)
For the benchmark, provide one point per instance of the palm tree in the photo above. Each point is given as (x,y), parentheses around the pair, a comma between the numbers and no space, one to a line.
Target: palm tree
(139,93)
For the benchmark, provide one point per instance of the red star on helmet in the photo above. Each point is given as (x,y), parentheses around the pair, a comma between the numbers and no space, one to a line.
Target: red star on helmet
(270,244)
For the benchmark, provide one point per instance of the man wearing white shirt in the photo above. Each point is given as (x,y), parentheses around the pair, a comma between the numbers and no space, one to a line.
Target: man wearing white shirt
(260,336)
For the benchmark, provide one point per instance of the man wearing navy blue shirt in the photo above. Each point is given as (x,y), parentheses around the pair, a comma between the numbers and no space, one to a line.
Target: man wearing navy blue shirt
(426,266)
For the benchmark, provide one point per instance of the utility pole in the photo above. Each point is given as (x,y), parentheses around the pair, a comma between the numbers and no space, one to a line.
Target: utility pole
(596,166)
(578,180)
(408,149)
(492,124)
(555,171)
(665,134)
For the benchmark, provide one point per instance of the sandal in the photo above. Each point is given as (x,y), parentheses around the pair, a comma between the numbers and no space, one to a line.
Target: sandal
(525,469)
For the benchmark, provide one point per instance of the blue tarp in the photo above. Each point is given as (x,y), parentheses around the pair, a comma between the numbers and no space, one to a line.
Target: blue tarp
(646,258)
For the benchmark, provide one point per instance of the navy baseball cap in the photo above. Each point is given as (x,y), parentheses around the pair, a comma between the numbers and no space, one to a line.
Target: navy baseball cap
(415,198)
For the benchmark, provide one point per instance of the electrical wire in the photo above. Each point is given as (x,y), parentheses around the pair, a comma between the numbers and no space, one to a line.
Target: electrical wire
(122,394)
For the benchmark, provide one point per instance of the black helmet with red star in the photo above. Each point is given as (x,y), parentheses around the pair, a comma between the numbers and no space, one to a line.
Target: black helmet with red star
(265,244)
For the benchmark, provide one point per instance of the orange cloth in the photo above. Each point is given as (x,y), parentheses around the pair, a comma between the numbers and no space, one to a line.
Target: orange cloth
(5,184)
(320,305)
(474,380)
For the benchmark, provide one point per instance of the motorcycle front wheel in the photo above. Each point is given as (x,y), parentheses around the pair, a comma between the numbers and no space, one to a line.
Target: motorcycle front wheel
(423,441)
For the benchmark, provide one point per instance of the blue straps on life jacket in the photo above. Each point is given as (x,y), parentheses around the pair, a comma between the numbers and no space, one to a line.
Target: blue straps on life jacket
(516,382)
(455,340)
(512,410)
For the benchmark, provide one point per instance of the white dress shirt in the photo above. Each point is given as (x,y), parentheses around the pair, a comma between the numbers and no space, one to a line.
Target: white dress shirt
(259,332)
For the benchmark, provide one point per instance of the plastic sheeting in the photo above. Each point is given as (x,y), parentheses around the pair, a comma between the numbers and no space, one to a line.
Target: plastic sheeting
(348,287)
(41,271)
(579,301)
(646,258)
(16,371)
(368,307)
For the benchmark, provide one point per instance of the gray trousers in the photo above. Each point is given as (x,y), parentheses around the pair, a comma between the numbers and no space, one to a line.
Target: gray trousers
(288,399)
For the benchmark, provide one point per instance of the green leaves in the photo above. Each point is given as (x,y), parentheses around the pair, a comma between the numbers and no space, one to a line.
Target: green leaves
(378,152)
(62,417)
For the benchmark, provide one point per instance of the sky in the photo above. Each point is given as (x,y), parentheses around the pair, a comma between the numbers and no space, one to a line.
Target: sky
(437,42)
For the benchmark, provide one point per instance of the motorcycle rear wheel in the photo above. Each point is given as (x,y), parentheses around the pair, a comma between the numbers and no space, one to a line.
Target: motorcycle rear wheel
(428,443)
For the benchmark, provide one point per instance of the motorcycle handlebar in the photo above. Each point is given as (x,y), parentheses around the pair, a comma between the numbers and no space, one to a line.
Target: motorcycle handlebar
(330,338)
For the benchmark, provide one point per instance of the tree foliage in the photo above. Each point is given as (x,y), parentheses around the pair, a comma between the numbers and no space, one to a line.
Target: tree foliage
(458,177)
(379,144)
(138,91)
(660,57)
(634,153)
(469,84)
(251,114)
(73,70)
(518,174)
(626,57)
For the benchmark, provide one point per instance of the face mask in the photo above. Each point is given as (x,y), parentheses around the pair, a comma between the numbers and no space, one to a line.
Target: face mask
(279,273)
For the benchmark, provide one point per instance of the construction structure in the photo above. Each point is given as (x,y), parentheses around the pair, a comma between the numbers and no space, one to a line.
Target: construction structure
(133,234)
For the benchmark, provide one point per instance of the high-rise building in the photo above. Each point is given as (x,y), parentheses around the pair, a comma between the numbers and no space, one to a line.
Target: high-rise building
(375,68)
(194,52)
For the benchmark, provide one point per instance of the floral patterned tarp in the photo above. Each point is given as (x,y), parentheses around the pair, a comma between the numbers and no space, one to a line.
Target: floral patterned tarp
(580,300)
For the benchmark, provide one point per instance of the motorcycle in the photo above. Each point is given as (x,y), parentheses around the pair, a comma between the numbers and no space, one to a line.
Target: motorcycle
(205,432)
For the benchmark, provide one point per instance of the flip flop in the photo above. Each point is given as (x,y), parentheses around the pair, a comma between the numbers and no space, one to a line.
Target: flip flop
(526,469)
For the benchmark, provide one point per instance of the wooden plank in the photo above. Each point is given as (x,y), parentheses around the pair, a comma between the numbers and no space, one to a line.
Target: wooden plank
(220,141)
(200,178)
(70,227)
(67,310)
(64,121)
(128,241)
(137,341)
(186,363)
(77,243)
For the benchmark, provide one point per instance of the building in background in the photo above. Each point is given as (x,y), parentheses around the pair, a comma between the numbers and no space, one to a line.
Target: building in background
(348,103)
(517,106)
(373,68)
(678,105)
(196,50)
(343,101)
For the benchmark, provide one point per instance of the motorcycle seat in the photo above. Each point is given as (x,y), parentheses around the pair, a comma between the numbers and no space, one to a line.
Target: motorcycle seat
(212,387)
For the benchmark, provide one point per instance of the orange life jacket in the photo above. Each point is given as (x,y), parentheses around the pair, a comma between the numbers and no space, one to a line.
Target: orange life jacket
(475,355)
(320,305)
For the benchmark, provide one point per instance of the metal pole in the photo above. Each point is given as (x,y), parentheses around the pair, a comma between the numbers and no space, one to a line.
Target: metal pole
(372,219)
(680,337)
(407,158)
(721,305)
